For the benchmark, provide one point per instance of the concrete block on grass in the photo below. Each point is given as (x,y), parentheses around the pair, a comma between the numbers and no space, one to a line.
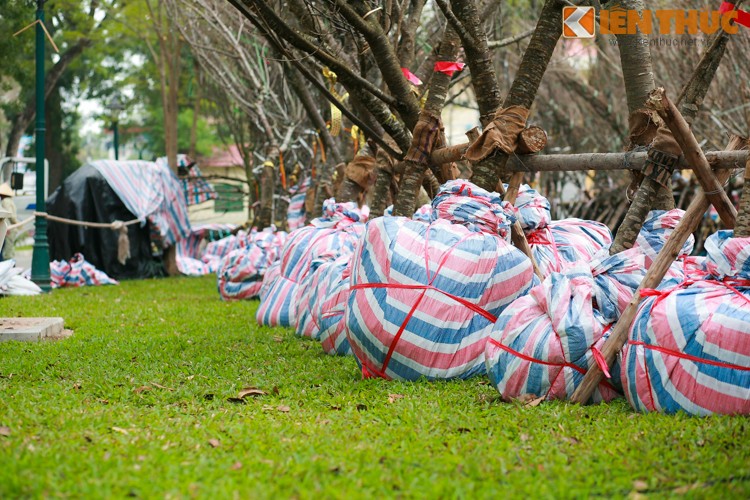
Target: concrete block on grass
(33,329)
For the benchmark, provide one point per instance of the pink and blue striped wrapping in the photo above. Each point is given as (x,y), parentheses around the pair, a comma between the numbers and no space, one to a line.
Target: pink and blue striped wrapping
(189,254)
(241,271)
(150,191)
(565,242)
(272,273)
(77,272)
(194,185)
(461,202)
(533,208)
(330,313)
(689,346)
(423,213)
(424,296)
(311,293)
(655,232)
(544,342)
(332,235)
(295,213)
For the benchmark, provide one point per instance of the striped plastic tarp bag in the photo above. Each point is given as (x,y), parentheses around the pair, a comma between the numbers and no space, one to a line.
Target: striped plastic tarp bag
(557,244)
(689,346)
(655,232)
(423,213)
(241,271)
(272,273)
(567,241)
(190,250)
(329,315)
(424,296)
(533,208)
(311,293)
(77,272)
(544,342)
(334,234)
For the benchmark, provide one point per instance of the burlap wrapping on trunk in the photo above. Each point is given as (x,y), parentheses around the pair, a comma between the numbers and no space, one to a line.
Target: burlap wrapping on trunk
(501,134)
(662,157)
(426,133)
(361,170)
(642,126)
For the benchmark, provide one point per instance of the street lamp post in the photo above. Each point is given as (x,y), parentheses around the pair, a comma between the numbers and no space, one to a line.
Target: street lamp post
(115,107)
(40,257)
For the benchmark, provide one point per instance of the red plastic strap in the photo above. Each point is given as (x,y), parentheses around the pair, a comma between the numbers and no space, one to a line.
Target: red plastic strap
(729,283)
(544,236)
(542,362)
(475,308)
(411,77)
(600,361)
(689,357)
(448,67)
(743,17)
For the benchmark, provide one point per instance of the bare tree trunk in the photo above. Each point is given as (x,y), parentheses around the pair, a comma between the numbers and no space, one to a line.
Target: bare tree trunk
(525,85)
(383,190)
(742,227)
(196,110)
(168,61)
(171,109)
(633,55)
(325,174)
(427,132)
(385,56)
(264,217)
(407,42)
(479,58)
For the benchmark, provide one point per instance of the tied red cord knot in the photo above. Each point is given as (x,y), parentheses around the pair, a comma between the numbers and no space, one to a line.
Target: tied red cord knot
(600,361)
(538,237)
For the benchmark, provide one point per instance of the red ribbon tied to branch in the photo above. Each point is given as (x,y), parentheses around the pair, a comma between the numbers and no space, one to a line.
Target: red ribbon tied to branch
(411,77)
(448,67)
(743,17)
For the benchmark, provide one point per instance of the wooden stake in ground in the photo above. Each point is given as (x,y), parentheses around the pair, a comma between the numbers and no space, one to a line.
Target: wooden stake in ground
(619,334)
(713,189)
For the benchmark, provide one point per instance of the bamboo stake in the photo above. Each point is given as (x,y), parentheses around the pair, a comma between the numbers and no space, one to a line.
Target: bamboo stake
(513,186)
(619,335)
(713,189)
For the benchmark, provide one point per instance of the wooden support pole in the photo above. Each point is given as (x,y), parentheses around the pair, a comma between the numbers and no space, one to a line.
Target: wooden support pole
(619,334)
(713,189)
(531,140)
(591,161)
(742,229)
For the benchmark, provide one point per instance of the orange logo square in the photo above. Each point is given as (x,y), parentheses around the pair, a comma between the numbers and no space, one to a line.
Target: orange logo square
(578,22)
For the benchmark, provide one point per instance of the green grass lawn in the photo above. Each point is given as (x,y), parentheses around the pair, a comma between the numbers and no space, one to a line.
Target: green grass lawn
(139,403)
